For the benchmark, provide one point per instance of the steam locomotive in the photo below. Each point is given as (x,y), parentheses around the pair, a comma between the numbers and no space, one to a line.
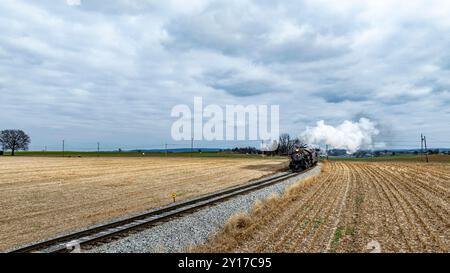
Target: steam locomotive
(303,158)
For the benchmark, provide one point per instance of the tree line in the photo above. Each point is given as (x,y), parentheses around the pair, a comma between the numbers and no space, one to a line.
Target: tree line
(16,140)
(285,144)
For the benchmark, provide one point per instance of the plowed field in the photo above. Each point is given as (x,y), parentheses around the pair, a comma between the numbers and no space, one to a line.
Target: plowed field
(43,197)
(350,207)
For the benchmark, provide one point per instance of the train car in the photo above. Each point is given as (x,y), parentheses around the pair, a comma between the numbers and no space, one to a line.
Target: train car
(303,158)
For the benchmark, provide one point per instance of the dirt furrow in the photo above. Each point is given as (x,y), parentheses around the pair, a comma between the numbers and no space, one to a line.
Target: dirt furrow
(301,220)
(279,228)
(310,220)
(351,206)
(415,229)
(420,213)
(302,240)
(439,207)
(326,233)
(344,233)
(392,237)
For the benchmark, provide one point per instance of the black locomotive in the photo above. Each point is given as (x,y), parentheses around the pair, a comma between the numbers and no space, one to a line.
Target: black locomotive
(303,158)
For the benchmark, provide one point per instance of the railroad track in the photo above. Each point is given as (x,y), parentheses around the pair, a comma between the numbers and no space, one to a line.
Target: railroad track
(97,234)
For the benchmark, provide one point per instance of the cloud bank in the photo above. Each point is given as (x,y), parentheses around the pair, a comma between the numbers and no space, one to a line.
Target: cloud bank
(110,71)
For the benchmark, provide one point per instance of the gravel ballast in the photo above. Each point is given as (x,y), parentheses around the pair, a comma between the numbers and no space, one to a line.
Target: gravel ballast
(193,229)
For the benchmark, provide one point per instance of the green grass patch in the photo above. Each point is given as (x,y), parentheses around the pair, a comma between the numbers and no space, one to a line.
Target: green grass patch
(338,234)
(350,231)
(359,200)
(147,154)
(317,223)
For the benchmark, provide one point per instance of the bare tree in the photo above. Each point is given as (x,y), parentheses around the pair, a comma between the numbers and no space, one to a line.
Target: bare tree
(297,141)
(283,146)
(287,144)
(14,140)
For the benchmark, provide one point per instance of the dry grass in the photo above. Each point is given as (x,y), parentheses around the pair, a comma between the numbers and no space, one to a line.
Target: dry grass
(43,197)
(402,206)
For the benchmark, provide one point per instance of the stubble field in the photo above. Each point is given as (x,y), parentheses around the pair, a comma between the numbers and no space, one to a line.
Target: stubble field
(43,197)
(350,207)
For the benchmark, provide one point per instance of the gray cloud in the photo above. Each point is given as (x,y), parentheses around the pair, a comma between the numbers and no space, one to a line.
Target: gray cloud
(241,29)
(113,70)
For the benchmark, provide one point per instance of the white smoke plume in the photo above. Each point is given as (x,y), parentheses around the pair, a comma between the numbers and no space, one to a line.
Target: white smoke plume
(269,146)
(349,135)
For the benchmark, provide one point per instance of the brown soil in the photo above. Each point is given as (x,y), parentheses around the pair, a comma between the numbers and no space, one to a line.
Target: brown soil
(400,207)
(43,197)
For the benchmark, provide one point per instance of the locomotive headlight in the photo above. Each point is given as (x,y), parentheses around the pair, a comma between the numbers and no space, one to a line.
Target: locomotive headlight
(297,150)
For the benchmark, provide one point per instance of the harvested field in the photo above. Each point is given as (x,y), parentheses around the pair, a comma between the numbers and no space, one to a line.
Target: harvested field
(408,158)
(396,207)
(43,197)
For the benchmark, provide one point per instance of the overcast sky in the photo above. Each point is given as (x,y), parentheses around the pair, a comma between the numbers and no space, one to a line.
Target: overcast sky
(111,71)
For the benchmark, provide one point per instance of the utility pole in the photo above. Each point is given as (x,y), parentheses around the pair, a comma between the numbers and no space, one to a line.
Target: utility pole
(63,147)
(98,148)
(166,148)
(423,144)
(326,150)
(426,149)
(192,146)
(421,147)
